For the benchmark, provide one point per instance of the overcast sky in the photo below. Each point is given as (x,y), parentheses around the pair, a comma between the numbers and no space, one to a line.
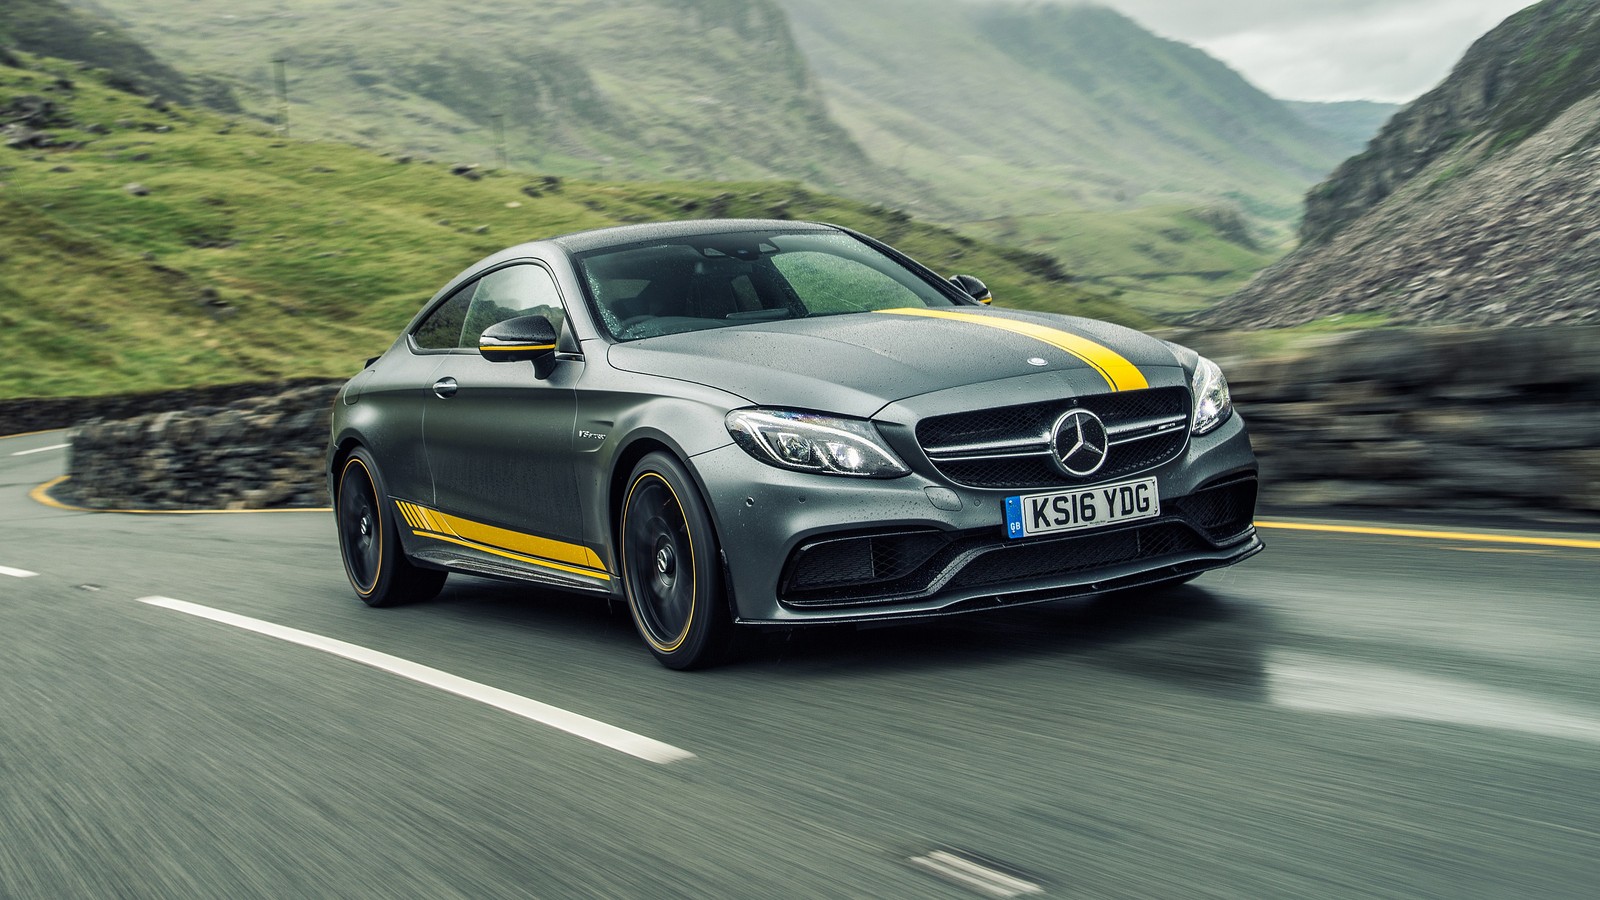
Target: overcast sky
(1389,50)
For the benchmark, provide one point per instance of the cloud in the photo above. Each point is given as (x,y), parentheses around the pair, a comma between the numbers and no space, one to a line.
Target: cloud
(1390,50)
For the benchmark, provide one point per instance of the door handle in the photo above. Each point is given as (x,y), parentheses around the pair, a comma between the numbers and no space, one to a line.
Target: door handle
(445,388)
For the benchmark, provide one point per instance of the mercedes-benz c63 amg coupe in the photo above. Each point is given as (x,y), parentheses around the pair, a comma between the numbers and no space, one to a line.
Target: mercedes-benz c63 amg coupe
(742,424)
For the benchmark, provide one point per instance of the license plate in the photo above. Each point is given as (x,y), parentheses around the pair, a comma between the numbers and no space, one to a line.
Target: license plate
(1081,508)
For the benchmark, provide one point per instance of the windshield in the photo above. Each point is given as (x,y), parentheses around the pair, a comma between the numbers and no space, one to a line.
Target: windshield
(712,281)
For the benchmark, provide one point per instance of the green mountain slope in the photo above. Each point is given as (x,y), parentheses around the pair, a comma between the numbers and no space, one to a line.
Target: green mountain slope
(144,249)
(1028,117)
(1051,104)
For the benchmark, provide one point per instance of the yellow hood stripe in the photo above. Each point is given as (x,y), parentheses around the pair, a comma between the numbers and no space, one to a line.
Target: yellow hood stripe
(1118,372)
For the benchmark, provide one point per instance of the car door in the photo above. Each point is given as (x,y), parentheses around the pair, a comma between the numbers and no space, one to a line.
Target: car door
(499,440)
(394,393)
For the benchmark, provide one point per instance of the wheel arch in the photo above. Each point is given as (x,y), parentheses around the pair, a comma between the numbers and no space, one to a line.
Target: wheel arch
(622,467)
(338,452)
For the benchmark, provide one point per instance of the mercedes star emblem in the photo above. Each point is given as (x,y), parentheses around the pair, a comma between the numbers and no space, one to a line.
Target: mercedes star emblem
(1080,443)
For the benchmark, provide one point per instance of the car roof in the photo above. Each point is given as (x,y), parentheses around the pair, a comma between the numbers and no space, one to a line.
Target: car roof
(623,235)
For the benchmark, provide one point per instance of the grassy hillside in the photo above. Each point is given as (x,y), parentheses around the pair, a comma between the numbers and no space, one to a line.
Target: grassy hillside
(963,113)
(144,248)
(1166,261)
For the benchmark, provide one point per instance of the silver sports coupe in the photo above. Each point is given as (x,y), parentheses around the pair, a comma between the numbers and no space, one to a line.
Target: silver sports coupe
(745,424)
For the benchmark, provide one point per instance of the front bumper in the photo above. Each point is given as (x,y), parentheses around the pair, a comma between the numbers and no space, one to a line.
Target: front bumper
(804,549)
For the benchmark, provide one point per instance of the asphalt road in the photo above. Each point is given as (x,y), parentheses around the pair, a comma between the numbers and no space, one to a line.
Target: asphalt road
(1347,715)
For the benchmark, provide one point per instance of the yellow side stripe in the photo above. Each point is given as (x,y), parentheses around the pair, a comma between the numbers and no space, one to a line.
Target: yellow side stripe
(544,548)
(405,510)
(526,547)
(1119,373)
(507,554)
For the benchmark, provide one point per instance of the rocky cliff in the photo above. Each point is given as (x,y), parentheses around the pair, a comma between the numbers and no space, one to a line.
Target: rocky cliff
(1476,204)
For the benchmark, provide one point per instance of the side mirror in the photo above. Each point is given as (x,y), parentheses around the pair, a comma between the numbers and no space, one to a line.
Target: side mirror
(525,337)
(973,288)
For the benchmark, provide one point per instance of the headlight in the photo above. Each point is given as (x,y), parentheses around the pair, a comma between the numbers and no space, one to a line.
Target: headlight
(808,442)
(1212,406)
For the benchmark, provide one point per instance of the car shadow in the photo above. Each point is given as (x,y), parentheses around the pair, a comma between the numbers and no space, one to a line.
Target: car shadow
(1187,636)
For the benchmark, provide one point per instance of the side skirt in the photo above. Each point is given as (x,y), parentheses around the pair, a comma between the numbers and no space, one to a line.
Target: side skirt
(508,570)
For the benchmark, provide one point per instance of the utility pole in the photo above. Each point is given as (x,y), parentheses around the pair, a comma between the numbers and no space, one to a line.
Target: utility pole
(500,139)
(283,95)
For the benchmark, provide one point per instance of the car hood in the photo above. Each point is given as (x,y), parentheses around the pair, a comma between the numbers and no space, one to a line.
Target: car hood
(856,364)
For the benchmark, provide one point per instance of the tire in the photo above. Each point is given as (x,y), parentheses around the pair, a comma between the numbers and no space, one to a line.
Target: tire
(369,540)
(670,573)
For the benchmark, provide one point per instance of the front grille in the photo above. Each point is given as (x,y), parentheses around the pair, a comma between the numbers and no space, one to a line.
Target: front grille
(866,569)
(1010,447)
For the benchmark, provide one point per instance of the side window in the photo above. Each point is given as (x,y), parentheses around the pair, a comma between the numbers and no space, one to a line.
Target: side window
(524,290)
(441,330)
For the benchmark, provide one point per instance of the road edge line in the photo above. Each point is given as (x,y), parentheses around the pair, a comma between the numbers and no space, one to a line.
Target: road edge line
(593,730)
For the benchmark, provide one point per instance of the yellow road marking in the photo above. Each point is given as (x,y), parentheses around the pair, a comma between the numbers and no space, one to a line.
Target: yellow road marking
(1427,534)
(1118,372)
(41,494)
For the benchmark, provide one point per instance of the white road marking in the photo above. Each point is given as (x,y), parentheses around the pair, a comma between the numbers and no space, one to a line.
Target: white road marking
(1303,681)
(17,573)
(41,449)
(980,878)
(555,717)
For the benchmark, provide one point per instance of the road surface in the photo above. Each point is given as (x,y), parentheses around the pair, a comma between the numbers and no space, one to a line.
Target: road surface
(196,706)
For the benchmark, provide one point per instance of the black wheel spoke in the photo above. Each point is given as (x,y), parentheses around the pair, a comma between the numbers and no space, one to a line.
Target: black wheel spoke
(660,561)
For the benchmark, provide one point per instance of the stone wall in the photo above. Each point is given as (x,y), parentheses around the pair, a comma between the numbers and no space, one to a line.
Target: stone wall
(1432,420)
(255,453)
(1436,421)
(18,416)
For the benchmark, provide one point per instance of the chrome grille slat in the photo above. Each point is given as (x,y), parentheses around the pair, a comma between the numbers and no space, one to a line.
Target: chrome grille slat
(1154,426)
(990,449)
